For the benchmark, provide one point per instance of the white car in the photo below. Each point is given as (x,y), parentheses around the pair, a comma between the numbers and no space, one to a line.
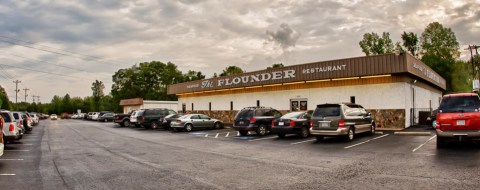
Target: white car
(134,117)
(53,117)
(12,130)
(95,116)
(2,146)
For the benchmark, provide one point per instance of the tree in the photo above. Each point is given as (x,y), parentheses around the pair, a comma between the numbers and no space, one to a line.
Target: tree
(372,44)
(439,51)
(276,65)
(231,70)
(97,88)
(410,42)
(4,97)
(193,75)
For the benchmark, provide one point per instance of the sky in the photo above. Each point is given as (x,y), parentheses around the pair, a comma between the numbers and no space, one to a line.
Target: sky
(56,47)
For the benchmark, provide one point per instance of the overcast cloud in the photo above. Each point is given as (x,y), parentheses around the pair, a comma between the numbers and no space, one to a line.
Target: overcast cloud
(201,35)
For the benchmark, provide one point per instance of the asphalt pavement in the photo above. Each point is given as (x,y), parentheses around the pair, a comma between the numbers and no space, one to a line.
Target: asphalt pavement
(76,154)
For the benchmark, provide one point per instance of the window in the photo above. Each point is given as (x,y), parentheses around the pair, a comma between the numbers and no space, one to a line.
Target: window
(204,117)
(195,117)
(184,108)
(6,117)
(352,99)
(171,112)
(260,112)
(192,107)
(231,105)
(327,110)
(258,103)
(209,106)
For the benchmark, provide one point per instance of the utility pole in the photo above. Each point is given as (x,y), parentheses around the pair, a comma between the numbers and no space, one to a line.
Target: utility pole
(475,64)
(16,91)
(33,98)
(38,99)
(26,89)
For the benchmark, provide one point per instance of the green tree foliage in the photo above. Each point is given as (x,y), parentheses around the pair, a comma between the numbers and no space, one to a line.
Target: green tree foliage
(5,103)
(410,42)
(97,88)
(231,70)
(461,80)
(276,65)
(193,75)
(373,44)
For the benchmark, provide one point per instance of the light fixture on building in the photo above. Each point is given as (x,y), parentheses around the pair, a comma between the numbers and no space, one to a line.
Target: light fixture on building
(253,86)
(209,91)
(269,85)
(294,83)
(325,80)
(375,76)
(237,88)
(221,90)
(349,78)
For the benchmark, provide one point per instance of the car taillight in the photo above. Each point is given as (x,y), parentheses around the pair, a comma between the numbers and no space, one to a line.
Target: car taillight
(437,126)
(12,127)
(141,118)
(21,122)
(341,123)
(253,120)
(311,124)
(179,120)
(292,123)
(273,123)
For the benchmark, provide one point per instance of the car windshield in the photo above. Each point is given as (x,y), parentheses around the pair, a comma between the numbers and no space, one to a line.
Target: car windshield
(6,117)
(459,104)
(327,111)
(16,116)
(184,117)
(245,114)
(292,115)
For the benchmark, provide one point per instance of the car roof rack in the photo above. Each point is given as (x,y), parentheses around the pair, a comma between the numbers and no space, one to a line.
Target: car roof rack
(256,107)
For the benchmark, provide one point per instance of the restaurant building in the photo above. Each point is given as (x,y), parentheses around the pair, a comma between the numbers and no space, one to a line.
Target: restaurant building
(394,87)
(138,103)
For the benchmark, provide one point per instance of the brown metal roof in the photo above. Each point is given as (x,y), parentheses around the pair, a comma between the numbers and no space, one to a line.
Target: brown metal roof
(343,68)
(131,102)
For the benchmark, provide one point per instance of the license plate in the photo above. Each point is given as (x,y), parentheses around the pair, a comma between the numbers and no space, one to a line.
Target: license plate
(241,123)
(281,123)
(461,122)
(325,124)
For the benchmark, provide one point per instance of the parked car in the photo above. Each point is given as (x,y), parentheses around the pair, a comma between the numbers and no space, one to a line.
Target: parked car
(88,116)
(458,118)
(293,123)
(53,117)
(35,118)
(258,119)
(123,119)
(168,119)
(18,118)
(432,119)
(27,122)
(11,131)
(136,118)
(34,121)
(95,116)
(195,121)
(344,119)
(2,143)
(106,117)
(152,118)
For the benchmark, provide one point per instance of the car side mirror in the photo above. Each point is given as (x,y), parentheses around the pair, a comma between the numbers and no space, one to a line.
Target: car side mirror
(369,114)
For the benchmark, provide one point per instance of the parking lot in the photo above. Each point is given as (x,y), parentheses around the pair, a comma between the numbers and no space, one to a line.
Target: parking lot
(77,154)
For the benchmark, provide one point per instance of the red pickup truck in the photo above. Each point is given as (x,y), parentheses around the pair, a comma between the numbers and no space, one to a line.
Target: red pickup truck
(458,118)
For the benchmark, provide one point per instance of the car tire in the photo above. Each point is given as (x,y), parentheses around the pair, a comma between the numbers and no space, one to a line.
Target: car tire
(216,125)
(304,133)
(262,130)
(281,135)
(188,127)
(372,129)
(319,138)
(154,125)
(350,135)
(243,133)
(126,123)
(440,142)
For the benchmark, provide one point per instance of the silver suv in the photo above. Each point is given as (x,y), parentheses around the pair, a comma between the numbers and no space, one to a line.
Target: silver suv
(345,119)
(11,128)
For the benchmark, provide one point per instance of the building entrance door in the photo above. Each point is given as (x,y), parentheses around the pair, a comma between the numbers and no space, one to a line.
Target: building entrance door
(299,104)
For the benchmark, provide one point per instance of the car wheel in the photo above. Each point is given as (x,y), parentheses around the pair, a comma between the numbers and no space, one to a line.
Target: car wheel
(188,127)
(372,129)
(154,125)
(440,142)
(216,125)
(262,130)
(126,123)
(434,124)
(350,134)
(319,138)
(281,135)
(243,133)
(304,132)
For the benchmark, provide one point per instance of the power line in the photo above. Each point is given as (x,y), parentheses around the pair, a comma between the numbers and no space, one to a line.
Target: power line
(40,71)
(5,53)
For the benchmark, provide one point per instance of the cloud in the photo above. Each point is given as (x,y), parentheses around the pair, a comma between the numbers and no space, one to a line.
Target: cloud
(285,36)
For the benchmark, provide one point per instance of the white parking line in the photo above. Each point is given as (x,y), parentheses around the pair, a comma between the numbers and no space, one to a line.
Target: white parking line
(238,133)
(22,144)
(206,135)
(7,174)
(216,136)
(424,143)
(11,159)
(303,141)
(366,141)
(263,138)
(227,134)
(16,150)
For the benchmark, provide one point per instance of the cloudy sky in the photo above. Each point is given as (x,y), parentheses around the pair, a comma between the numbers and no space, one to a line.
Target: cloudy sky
(58,47)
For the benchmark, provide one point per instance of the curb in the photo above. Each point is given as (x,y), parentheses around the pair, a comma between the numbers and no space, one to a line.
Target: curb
(413,133)
(378,132)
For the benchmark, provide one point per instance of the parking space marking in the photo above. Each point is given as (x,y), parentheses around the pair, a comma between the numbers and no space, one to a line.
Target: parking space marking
(7,174)
(6,159)
(227,134)
(263,138)
(206,135)
(238,133)
(366,141)
(303,141)
(216,136)
(16,150)
(22,144)
(424,143)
